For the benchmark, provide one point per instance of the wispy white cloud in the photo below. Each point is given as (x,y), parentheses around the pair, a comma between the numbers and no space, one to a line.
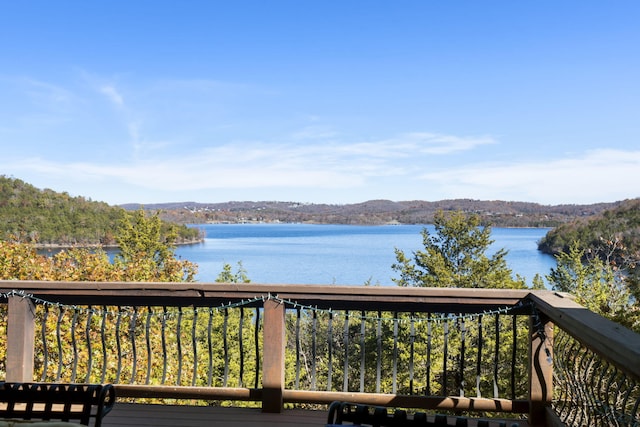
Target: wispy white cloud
(416,144)
(31,103)
(223,167)
(129,118)
(245,164)
(47,94)
(594,176)
(314,133)
(113,95)
(433,143)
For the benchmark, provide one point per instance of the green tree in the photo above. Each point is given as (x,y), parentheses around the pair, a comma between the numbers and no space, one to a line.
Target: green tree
(455,257)
(228,276)
(20,261)
(600,286)
(619,225)
(139,236)
(147,252)
(537,282)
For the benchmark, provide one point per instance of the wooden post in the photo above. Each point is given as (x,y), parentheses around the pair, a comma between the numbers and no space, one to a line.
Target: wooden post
(20,339)
(540,369)
(273,358)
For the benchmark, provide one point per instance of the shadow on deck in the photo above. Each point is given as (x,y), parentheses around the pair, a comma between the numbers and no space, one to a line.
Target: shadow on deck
(139,415)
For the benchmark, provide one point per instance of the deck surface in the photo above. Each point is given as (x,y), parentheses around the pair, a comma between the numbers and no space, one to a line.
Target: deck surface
(141,415)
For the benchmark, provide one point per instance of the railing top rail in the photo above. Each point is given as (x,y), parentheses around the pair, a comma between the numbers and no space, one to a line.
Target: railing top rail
(608,339)
(384,298)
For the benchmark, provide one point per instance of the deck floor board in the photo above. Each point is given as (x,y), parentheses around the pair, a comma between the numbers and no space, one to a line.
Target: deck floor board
(142,415)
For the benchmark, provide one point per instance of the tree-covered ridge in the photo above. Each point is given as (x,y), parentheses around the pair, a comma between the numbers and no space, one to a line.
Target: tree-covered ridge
(599,262)
(496,213)
(619,226)
(46,217)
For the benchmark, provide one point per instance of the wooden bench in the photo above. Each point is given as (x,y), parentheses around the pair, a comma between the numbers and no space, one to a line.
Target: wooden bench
(71,403)
(376,416)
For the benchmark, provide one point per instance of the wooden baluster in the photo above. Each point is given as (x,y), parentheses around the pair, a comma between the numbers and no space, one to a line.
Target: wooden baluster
(273,356)
(20,339)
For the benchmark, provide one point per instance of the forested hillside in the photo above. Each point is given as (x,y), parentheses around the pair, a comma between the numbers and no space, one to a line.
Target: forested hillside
(614,227)
(598,261)
(492,212)
(45,217)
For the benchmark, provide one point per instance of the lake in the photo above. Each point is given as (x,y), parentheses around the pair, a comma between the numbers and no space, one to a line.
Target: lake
(337,254)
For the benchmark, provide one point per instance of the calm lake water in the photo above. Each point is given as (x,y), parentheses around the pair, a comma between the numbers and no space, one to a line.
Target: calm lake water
(337,254)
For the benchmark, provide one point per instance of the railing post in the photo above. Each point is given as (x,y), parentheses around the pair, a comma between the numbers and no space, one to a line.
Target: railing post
(20,339)
(540,368)
(273,358)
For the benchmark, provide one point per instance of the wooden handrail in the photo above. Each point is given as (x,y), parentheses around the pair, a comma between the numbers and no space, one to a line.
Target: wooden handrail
(608,339)
(338,297)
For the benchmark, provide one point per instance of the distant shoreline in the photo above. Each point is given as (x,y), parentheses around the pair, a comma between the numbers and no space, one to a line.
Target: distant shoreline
(62,246)
(382,224)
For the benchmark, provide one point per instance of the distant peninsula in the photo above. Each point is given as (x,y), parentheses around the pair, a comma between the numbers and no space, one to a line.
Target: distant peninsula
(374,212)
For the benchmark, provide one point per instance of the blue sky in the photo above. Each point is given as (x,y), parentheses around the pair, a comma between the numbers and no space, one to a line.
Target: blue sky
(322,101)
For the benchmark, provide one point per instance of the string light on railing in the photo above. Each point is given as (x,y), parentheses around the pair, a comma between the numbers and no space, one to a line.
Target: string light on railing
(126,312)
(437,320)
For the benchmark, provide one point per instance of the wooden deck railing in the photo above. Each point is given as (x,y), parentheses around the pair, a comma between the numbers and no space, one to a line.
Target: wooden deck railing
(538,354)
